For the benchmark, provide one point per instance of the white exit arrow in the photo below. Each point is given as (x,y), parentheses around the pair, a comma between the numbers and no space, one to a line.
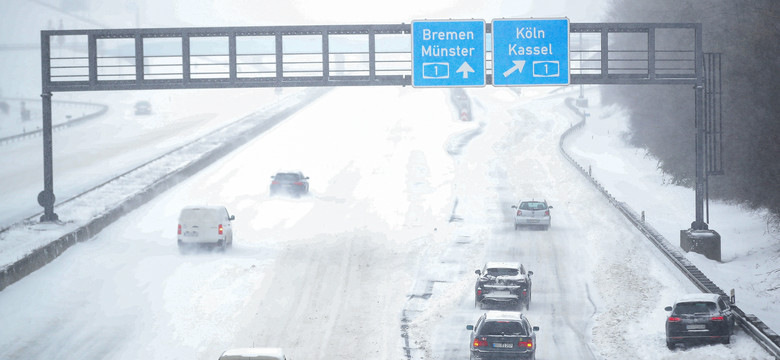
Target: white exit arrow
(465,69)
(519,64)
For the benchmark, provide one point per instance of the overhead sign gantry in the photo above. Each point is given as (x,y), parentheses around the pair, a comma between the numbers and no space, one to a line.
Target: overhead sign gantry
(442,53)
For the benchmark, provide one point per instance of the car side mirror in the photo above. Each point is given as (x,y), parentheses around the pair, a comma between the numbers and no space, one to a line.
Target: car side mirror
(514,206)
(530,272)
(469,327)
(478,272)
(668,308)
(536,328)
(272,176)
(306,178)
(232,217)
(549,207)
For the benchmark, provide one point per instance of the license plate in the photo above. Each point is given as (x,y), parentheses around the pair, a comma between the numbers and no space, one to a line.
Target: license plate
(696,327)
(190,233)
(503,345)
(533,220)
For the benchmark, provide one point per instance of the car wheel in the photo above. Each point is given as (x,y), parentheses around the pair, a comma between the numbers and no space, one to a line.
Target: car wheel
(517,227)
(528,304)
(670,345)
(727,340)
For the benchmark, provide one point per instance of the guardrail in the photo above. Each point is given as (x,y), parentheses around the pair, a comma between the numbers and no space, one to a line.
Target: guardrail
(754,327)
(102,109)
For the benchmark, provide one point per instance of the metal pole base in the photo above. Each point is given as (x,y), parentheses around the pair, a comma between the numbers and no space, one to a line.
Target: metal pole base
(705,242)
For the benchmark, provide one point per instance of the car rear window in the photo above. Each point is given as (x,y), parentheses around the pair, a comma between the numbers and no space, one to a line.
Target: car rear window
(502,272)
(697,307)
(531,205)
(503,328)
(287,177)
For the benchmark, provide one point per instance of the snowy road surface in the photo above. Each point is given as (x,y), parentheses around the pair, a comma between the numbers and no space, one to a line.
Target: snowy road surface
(95,151)
(328,275)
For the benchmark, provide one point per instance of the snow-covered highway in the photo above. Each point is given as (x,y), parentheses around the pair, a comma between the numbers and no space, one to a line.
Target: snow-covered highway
(329,275)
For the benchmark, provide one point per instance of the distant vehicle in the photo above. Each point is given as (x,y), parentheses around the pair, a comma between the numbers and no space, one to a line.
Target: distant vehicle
(503,335)
(505,284)
(205,226)
(290,183)
(532,213)
(143,108)
(699,318)
(253,354)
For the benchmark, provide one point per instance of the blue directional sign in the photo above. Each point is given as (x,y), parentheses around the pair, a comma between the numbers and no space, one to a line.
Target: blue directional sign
(531,52)
(448,53)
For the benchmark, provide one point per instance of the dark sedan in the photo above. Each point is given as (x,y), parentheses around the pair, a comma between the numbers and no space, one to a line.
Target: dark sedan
(503,335)
(699,318)
(290,183)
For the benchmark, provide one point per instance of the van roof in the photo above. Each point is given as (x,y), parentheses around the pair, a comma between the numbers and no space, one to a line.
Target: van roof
(203,207)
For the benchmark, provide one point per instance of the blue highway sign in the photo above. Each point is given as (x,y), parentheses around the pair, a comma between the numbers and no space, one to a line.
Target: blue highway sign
(530,52)
(448,53)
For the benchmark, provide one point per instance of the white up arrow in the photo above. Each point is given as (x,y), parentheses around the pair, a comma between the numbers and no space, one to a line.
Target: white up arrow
(465,69)
(519,64)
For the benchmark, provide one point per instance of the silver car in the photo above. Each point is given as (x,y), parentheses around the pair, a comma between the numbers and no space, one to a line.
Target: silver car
(532,213)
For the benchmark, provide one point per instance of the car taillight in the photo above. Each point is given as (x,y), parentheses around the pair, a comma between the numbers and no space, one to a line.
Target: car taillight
(479,291)
(717,318)
(480,342)
(179,229)
(274,182)
(547,213)
(519,212)
(298,183)
(673,319)
(220,229)
(526,344)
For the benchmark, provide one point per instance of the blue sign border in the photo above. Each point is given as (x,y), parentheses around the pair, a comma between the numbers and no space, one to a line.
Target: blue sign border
(477,78)
(555,64)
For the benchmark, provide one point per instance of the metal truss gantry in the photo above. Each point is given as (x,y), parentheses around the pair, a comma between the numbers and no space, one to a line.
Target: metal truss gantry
(345,55)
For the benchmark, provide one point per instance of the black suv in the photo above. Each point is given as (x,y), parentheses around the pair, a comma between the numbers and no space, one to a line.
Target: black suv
(292,183)
(699,318)
(505,284)
(503,335)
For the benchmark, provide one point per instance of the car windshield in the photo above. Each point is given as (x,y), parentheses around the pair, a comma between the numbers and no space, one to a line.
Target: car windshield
(698,307)
(287,177)
(503,328)
(502,272)
(532,205)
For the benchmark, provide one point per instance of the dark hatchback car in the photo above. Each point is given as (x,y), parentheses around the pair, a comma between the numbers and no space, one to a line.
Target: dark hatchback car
(503,335)
(290,183)
(699,318)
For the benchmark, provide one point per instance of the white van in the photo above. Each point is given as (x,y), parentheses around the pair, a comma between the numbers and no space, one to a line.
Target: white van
(205,226)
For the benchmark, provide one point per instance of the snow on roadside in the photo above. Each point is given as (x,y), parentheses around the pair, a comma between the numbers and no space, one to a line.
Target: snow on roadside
(749,250)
